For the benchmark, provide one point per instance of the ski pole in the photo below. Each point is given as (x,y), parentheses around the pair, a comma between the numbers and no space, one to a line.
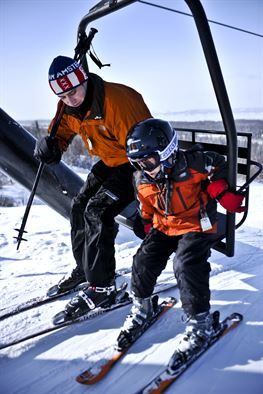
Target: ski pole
(21,230)
(80,51)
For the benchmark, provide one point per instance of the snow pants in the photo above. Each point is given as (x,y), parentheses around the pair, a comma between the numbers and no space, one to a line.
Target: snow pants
(190,266)
(106,192)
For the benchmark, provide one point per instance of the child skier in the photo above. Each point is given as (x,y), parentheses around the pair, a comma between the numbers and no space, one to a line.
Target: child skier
(177,192)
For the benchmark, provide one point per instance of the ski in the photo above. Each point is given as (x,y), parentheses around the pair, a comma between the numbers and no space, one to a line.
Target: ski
(125,300)
(35,302)
(170,374)
(45,299)
(104,366)
(160,287)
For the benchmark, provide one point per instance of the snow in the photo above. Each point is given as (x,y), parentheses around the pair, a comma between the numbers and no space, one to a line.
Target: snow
(50,363)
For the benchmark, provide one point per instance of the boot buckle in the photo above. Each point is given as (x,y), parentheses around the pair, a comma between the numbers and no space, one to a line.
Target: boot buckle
(107,289)
(86,298)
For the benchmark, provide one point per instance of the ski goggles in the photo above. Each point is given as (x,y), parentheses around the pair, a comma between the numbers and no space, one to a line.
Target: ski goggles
(152,160)
(148,163)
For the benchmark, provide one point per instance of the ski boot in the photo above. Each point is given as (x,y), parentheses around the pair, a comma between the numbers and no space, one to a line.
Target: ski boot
(142,311)
(65,285)
(198,333)
(90,298)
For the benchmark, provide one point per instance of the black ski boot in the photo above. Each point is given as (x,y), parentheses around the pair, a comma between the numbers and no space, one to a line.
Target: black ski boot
(141,313)
(89,299)
(76,277)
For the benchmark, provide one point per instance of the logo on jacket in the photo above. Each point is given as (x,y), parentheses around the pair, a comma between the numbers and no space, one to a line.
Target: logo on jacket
(101,127)
(89,143)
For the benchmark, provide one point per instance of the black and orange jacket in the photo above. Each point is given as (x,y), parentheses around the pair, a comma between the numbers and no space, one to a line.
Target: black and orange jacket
(187,195)
(114,109)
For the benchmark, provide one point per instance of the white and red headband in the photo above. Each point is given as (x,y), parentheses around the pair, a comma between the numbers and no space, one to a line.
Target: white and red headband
(65,74)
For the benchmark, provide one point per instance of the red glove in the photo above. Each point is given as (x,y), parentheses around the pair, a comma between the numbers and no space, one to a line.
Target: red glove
(147,227)
(216,188)
(231,201)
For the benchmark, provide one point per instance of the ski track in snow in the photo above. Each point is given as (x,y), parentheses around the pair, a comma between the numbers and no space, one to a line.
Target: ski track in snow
(50,363)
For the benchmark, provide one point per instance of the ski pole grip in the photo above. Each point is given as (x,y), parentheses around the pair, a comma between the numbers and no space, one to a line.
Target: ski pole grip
(84,43)
(92,33)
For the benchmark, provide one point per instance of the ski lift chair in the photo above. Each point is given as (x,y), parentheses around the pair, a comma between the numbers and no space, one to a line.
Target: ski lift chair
(237,146)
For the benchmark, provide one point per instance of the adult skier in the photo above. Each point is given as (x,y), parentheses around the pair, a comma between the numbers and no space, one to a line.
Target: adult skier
(102,113)
(177,192)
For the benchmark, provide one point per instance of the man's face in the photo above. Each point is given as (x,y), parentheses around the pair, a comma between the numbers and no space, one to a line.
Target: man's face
(74,97)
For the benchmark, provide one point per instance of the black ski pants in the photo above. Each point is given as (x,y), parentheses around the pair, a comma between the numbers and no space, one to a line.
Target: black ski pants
(190,266)
(106,192)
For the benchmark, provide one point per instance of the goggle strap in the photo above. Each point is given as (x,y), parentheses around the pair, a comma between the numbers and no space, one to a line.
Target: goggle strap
(171,147)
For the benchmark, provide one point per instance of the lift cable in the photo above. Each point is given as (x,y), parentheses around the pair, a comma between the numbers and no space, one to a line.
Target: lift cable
(209,20)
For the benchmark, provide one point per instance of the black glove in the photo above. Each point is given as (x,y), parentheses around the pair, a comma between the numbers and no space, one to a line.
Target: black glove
(47,150)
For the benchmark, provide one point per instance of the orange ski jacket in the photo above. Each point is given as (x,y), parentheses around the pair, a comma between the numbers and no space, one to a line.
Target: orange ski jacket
(187,199)
(115,108)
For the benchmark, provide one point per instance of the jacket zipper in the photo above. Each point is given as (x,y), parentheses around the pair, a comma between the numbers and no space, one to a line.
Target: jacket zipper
(181,197)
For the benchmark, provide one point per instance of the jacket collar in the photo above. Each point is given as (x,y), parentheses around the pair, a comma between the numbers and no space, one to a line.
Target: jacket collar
(180,171)
(97,103)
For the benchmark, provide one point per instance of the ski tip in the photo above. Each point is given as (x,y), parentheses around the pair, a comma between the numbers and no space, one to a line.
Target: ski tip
(89,377)
(84,377)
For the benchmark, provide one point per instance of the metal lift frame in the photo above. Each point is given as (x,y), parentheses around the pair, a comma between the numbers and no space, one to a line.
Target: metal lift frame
(106,7)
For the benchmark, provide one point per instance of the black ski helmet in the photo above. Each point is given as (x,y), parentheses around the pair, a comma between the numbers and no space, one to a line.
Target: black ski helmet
(152,137)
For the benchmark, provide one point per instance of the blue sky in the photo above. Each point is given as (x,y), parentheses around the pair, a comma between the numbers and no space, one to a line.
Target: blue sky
(156,52)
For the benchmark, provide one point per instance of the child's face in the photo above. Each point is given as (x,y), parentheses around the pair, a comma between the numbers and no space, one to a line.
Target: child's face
(75,97)
(150,164)
(154,172)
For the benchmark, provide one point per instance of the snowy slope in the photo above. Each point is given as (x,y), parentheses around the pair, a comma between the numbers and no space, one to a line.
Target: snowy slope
(49,364)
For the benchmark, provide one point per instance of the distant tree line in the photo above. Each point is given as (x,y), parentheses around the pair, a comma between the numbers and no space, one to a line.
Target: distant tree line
(77,156)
